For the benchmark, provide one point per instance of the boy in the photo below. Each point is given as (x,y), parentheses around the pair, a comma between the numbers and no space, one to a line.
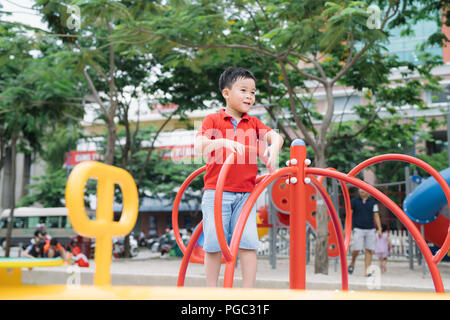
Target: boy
(231,130)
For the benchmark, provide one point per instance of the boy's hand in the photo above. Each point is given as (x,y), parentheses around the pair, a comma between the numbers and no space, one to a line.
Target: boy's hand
(272,154)
(234,146)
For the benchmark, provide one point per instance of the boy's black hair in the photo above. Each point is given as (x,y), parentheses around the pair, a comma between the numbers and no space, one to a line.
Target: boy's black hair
(231,74)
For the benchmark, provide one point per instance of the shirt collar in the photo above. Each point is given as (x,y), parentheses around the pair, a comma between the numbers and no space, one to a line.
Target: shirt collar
(226,115)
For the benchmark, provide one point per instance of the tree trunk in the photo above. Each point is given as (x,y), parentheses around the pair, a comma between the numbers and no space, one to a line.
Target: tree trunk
(12,187)
(125,151)
(26,174)
(321,246)
(6,191)
(110,141)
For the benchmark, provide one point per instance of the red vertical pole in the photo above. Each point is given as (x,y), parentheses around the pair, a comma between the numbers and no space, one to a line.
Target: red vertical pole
(297,245)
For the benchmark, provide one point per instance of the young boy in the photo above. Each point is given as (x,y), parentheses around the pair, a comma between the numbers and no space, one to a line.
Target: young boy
(231,130)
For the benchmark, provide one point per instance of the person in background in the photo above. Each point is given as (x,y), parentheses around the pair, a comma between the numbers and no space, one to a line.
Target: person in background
(35,250)
(382,248)
(75,255)
(53,249)
(365,217)
(41,228)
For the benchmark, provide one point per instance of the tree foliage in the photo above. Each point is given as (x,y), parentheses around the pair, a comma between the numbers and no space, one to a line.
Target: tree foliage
(313,46)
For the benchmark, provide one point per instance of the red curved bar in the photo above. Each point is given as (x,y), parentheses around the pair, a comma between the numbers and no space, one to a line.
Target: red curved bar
(261,178)
(337,228)
(187,254)
(348,212)
(433,172)
(245,212)
(218,201)
(177,202)
(176,205)
(434,271)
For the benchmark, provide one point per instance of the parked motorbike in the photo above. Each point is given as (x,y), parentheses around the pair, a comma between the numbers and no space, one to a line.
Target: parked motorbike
(153,244)
(119,247)
(166,242)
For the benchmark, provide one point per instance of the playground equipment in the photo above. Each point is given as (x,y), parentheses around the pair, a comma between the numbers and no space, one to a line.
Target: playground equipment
(299,176)
(427,206)
(280,200)
(11,268)
(104,228)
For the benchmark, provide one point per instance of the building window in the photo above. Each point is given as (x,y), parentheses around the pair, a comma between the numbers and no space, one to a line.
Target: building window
(345,104)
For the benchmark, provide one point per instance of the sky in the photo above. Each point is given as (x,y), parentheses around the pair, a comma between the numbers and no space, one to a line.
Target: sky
(22,13)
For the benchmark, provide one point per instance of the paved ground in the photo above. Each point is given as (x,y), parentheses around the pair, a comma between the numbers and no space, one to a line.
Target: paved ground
(149,269)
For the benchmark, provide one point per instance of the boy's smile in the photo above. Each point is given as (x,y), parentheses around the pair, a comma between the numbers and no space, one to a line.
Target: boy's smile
(240,97)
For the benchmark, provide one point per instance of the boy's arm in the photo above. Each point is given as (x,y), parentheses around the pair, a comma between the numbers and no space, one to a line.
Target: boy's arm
(204,146)
(275,142)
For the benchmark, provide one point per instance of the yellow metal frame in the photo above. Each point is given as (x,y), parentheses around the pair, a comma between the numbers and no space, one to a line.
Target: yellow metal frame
(103,228)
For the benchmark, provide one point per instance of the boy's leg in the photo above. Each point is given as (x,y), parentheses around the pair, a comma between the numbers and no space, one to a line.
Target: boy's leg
(249,241)
(213,255)
(212,267)
(248,267)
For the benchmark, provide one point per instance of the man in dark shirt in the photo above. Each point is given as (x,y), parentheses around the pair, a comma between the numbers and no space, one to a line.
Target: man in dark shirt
(364,216)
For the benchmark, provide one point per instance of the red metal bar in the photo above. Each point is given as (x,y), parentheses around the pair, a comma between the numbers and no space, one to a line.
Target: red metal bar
(434,271)
(433,172)
(348,212)
(297,219)
(261,178)
(337,228)
(177,202)
(187,254)
(218,201)
(240,224)
(176,205)
(218,209)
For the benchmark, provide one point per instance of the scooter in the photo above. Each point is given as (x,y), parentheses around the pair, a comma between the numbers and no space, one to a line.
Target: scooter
(119,247)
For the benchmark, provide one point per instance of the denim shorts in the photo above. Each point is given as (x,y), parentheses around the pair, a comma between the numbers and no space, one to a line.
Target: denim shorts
(232,204)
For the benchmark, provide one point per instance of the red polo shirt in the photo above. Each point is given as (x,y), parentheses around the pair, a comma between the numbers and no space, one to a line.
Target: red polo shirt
(249,131)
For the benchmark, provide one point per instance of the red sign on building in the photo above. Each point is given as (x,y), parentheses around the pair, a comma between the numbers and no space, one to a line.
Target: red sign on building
(75,157)
(178,152)
(165,107)
(174,153)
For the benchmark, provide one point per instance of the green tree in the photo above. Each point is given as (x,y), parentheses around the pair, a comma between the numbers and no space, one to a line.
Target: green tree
(316,45)
(48,190)
(30,99)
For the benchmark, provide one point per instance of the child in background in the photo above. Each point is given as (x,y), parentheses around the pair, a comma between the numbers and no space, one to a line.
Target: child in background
(383,246)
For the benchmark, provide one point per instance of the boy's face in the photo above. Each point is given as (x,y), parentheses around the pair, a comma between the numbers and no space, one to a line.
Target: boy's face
(241,96)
